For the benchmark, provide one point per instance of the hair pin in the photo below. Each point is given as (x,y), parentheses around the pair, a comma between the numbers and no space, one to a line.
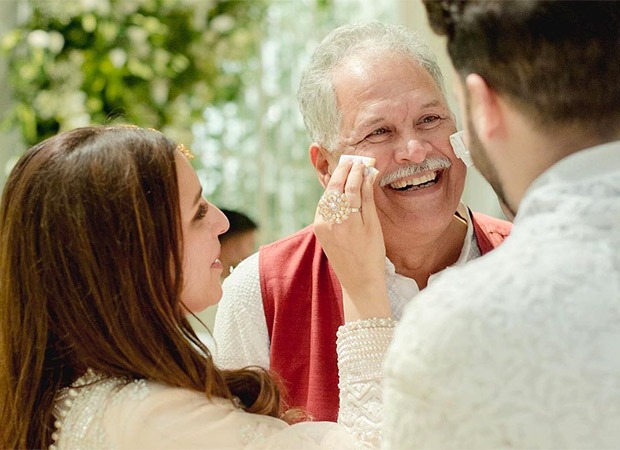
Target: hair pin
(183,149)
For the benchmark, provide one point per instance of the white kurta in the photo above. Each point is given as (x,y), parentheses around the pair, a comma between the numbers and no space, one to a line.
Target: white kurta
(521,348)
(99,413)
(240,330)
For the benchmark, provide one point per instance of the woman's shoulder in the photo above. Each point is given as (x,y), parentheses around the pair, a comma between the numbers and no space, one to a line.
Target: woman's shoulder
(151,414)
(101,412)
(170,417)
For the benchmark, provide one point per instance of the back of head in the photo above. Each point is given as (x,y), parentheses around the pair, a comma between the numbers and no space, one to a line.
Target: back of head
(556,60)
(316,95)
(107,196)
(239,223)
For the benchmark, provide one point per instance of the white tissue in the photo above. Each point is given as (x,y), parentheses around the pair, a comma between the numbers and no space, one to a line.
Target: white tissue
(460,150)
(366,160)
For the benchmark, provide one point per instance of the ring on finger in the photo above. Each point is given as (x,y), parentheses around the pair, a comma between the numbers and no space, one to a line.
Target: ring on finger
(334,207)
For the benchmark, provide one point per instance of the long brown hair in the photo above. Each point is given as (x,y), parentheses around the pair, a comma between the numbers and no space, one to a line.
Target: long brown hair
(90,276)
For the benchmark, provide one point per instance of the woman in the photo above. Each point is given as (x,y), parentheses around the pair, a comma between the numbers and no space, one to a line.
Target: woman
(106,243)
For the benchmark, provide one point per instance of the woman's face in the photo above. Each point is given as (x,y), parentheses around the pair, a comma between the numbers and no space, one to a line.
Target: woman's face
(202,223)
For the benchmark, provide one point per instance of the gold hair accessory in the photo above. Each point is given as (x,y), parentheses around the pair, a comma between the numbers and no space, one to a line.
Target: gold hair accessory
(183,149)
(334,207)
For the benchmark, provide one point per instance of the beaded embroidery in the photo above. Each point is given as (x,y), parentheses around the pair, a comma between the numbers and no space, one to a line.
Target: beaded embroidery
(79,409)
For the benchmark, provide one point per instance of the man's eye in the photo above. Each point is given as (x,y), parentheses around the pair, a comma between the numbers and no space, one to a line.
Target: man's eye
(201,213)
(429,122)
(378,135)
(429,119)
(379,132)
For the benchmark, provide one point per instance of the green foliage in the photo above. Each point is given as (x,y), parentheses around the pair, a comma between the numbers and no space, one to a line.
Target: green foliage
(154,63)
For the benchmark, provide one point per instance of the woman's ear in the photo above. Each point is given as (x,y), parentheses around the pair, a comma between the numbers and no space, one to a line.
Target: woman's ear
(486,109)
(320,158)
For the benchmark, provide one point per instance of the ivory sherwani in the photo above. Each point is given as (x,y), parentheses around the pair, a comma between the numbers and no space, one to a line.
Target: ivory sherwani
(521,348)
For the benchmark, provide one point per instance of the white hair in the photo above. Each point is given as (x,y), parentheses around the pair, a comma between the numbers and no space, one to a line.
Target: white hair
(316,94)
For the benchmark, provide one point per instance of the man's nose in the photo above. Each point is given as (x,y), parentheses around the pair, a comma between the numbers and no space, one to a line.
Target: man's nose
(414,150)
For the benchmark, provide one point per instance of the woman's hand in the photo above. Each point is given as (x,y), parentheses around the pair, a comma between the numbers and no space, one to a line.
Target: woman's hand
(355,247)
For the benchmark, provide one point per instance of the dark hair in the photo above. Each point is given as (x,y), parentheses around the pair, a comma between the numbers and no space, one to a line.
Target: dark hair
(557,60)
(239,223)
(91,275)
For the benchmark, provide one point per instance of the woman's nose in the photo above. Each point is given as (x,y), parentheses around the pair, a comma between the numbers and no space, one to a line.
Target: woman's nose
(222,222)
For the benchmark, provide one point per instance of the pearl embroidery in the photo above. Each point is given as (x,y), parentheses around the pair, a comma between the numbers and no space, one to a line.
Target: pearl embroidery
(361,346)
(77,410)
(360,341)
(80,408)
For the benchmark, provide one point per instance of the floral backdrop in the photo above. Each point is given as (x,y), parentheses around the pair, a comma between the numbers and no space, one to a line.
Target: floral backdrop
(218,75)
(155,63)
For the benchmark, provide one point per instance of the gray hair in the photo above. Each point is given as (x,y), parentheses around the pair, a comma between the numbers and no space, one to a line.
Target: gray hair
(316,94)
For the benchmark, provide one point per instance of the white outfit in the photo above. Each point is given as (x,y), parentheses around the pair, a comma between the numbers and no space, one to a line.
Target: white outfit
(240,329)
(521,348)
(98,413)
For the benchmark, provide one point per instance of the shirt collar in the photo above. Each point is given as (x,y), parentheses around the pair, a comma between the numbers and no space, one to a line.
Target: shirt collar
(593,163)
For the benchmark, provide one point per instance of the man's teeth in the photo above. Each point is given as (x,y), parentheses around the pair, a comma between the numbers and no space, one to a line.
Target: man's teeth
(414,181)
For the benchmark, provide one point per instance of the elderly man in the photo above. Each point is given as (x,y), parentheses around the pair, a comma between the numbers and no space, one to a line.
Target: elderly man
(372,90)
(518,349)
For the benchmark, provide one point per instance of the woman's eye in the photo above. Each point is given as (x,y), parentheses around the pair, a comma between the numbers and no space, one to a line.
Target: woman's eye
(201,213)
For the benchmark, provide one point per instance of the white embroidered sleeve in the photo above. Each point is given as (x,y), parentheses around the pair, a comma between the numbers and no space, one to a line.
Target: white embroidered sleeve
(361,346)
(240,329)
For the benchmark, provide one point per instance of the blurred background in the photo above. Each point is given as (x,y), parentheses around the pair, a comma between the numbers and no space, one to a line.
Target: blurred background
(219,76)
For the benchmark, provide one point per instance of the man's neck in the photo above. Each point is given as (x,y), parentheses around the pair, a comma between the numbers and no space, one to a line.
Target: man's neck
(419,256)
(533,152)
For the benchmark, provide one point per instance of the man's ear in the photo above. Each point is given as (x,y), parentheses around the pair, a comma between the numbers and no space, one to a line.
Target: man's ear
(486,108)
(320,158)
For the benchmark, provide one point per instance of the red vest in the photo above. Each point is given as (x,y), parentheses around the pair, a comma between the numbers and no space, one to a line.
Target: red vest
(303,307)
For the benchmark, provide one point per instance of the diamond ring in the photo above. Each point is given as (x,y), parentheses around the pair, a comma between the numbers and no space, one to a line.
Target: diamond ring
(334,207)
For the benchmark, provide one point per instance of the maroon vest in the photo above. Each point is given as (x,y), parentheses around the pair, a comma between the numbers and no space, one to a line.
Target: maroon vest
(303,307)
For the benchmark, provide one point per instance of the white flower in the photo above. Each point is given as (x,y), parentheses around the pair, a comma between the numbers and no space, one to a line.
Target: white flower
(73,101)
(159,90)
(56,41)
(89,23)
(222,23)
(128,7)
(118,57)
(72,110)
(215,121)
(89,5)
(47,104)
(197,3)
(38,39)
(139,41)
(137,35)
(76,121)
(161,59)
